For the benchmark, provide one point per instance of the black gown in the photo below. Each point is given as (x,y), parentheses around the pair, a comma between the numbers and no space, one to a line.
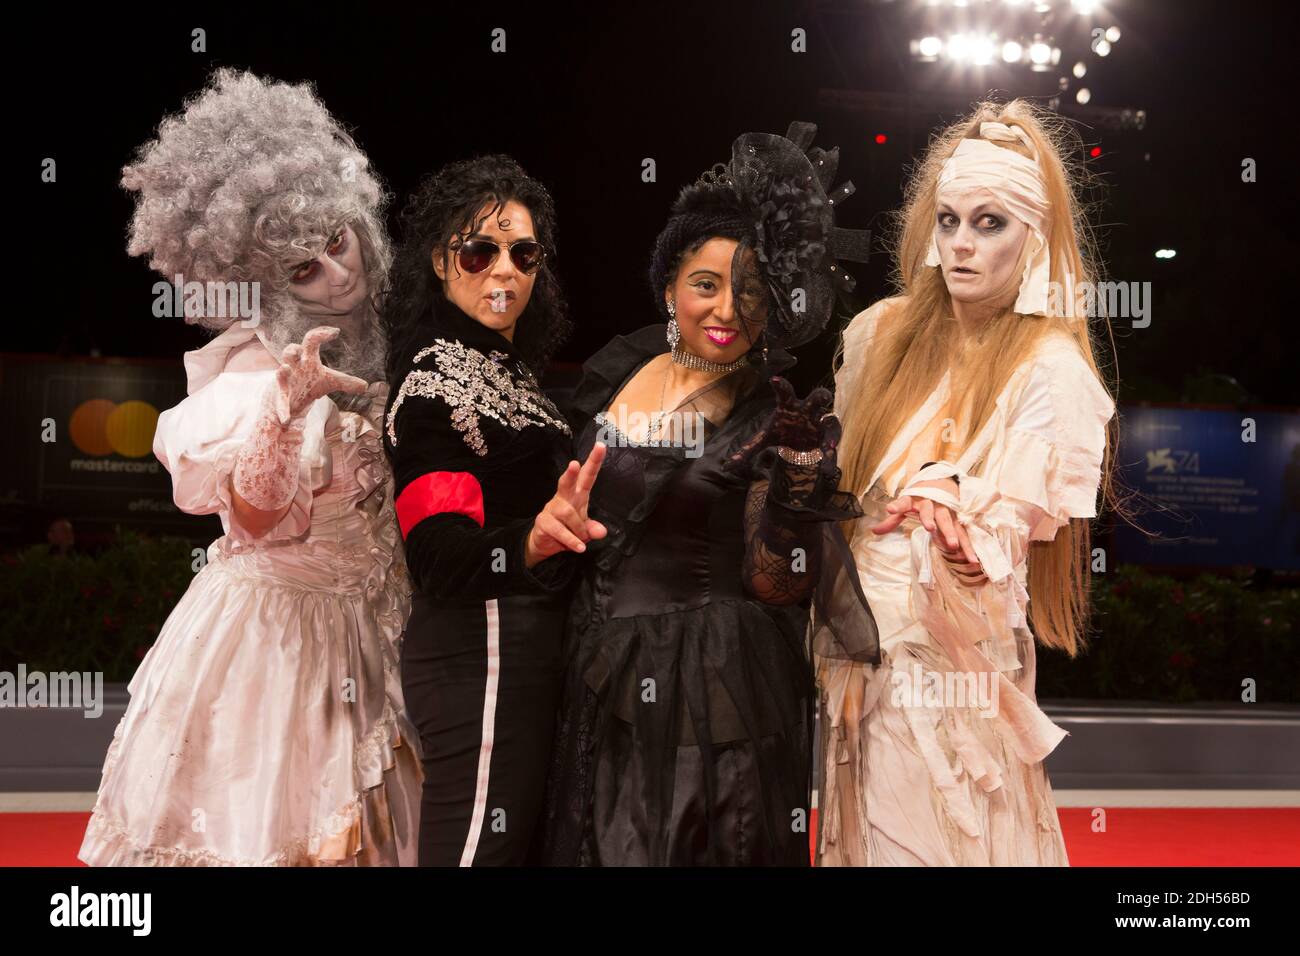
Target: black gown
(685,732)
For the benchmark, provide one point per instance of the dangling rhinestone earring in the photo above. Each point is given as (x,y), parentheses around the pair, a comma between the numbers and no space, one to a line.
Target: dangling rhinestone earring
(674,331)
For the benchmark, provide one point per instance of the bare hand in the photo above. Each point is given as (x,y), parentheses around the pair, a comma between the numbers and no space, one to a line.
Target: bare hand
(563,524)
(938,519)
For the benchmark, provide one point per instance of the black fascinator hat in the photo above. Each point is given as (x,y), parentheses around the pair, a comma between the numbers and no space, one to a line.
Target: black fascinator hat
(774,198)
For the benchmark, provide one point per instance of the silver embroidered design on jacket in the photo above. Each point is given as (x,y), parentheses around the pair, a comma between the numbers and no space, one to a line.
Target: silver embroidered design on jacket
(474,386)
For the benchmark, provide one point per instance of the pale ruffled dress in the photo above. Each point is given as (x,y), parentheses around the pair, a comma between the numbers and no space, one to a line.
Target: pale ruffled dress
(265,725)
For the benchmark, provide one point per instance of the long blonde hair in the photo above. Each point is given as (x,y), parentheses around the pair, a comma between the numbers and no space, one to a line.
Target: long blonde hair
(915,343)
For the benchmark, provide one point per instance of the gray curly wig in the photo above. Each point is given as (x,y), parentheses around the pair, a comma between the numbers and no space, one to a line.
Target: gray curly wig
(251,178)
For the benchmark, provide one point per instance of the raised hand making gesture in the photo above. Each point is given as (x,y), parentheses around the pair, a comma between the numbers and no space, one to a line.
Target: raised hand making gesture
(563,524)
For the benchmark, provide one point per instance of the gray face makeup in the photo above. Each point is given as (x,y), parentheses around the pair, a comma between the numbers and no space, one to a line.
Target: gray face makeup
(980,245)
(334,283)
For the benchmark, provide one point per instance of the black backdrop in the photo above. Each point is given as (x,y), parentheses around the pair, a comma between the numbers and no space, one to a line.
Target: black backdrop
(585,92)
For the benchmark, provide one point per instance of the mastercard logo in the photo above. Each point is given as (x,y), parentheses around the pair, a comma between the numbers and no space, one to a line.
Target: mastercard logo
(101,427)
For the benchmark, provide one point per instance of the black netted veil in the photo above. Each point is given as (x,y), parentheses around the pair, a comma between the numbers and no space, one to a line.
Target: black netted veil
(784,183)
(774,198)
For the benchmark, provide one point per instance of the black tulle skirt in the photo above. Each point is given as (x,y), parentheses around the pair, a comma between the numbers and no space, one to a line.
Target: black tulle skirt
(684,739)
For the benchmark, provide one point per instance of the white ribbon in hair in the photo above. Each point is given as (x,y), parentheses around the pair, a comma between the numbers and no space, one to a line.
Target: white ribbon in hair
(1017,182)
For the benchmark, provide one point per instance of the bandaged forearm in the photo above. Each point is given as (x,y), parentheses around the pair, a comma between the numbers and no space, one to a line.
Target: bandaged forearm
(937,471)
(991,522)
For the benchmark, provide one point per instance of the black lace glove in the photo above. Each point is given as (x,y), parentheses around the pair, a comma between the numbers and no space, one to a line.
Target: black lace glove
(790,463)
(797,425)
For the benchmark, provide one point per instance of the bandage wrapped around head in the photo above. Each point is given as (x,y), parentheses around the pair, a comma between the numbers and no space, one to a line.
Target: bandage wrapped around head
(1017,182)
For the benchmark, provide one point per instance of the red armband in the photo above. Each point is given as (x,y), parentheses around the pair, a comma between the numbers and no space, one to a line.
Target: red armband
(438,492)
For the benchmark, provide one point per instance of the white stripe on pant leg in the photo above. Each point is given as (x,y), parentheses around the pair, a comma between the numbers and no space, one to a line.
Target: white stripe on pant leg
(489,728)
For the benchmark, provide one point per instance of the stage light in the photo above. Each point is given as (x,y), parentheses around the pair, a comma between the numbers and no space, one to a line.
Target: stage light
(981,50)
(1095,152)
(1084,7)
(1040,53)
(1102,48)
(1083,96)
(881,139)
(1113,34)
(1012,51)
(1056,55)
(1080,70)
(959,47)
(1166,253)
(930,46)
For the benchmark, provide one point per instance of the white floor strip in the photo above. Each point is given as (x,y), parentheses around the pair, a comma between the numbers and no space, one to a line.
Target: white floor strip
(1177,798)
(65,802)
(71,802)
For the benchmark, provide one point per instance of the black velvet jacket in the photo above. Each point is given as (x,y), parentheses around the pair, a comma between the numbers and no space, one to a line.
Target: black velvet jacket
(476,449)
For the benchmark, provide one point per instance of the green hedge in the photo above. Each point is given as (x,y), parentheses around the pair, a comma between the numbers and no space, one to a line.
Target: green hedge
(90,613)
(1156,638)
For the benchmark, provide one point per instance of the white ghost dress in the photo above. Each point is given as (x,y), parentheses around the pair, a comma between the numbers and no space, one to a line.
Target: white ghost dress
(945,765)
(265,725)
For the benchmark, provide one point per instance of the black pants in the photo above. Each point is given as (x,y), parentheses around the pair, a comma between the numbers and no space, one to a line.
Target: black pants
(481,682)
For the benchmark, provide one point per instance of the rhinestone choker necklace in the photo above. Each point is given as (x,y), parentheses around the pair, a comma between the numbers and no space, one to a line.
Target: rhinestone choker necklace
(693,361)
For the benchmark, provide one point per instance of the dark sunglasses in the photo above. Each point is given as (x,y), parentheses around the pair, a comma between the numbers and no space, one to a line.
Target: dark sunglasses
(475,255)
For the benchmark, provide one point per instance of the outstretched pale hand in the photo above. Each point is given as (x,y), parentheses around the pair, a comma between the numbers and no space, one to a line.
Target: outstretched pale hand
(563,524)
(301,378)
(266,471)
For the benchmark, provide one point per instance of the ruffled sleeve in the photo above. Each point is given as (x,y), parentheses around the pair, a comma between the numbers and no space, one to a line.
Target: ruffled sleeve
(199,440)
(1056,440)
(857,340)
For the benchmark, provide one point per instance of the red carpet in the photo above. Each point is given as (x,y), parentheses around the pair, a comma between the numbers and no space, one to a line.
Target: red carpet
(41,839)
(1202,836)
(1133,837)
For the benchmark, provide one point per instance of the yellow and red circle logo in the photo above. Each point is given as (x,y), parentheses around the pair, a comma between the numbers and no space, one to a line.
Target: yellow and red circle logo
(101,427)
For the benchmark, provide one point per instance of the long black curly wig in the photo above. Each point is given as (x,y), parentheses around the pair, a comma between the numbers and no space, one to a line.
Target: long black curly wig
(446,204)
